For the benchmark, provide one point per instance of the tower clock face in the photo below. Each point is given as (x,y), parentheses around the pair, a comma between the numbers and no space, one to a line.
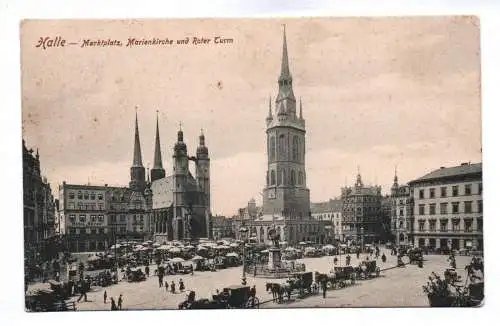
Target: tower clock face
(271,194)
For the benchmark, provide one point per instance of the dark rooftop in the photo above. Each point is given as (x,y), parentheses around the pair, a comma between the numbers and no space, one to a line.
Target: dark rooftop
(443,172)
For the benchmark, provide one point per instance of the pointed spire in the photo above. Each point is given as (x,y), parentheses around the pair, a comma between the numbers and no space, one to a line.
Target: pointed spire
(137,144)
(285,70)
(180,134)
(202,138)
(300,109)
(147,176)
(396,175)
(270,108)
(157,164)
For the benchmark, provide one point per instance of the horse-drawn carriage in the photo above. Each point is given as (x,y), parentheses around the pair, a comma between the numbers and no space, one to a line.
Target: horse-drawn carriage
(368,269)
(303,282)
(340,277)
(232,297)
(47,299)
(416,255)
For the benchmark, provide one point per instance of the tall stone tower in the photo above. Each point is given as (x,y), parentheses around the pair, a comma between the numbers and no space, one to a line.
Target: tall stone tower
(286,193)
(157,172)
(203,178)
(181,171)
(137,171)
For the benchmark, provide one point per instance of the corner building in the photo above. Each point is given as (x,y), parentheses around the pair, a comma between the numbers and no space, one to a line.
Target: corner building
(449,208)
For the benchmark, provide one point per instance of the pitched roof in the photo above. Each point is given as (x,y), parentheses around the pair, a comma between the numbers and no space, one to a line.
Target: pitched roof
(443,173)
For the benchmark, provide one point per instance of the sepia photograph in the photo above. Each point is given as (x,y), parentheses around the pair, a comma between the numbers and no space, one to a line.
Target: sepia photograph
(314,162)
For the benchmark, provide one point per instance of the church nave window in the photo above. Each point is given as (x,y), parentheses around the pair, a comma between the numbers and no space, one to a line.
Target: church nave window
(301,178)
(292,177)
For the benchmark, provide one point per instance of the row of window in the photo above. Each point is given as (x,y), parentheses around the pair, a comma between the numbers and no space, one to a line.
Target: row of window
(282,148)
(85,195)
(83,218)
(122,229)
(455,191)
(455,208)
(135,218)
(285,179)
(86,206)
(455,225)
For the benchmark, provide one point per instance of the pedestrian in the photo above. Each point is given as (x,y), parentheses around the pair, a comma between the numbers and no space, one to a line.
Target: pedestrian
(384,258)
(113,304)
(105,296)
(147,271)
(323,287)
(83,291)
(160,281)
(120,302)
(172,287)
(181,285)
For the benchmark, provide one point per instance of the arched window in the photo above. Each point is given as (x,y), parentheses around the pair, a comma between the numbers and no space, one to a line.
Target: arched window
(292,178)
(295,148)
(301,178)
(273,177)
(280,177)
(272,148)
(282,147)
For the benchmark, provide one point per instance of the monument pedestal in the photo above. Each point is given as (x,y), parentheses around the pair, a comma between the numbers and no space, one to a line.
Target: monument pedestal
(274,258)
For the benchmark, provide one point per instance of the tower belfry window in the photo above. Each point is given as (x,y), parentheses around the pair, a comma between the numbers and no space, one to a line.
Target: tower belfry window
(272,148)
(295,148)
(282,147)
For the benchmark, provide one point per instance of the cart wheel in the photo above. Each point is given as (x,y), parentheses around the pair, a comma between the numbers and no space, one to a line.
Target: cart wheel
(252,303)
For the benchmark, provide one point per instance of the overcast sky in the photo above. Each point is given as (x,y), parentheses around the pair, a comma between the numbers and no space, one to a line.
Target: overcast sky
(376,93)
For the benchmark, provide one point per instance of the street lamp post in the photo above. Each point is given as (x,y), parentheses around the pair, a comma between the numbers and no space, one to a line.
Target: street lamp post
(243,232)
(362,238)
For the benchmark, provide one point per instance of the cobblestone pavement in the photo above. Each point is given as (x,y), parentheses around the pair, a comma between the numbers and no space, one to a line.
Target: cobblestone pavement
(395,287)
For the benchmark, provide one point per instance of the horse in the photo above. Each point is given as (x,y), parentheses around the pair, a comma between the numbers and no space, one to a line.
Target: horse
(278,290)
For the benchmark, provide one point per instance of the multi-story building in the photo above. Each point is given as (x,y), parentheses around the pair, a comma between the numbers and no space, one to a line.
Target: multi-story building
(92,217)
(286,203)
(223,227)
(39,209)
(402,218)
(449,208)
(330,215)
(361,213)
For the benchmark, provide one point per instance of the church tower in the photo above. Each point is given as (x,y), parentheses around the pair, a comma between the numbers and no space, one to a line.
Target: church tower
(157,172)
(286,193)
(137,171)
(180,176)
(203,177)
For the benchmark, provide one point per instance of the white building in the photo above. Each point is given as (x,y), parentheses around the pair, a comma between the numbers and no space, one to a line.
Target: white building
(449,208)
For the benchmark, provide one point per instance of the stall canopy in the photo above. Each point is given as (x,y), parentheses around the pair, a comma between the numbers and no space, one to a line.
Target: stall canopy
(232,254)
(176,260)
(196,258)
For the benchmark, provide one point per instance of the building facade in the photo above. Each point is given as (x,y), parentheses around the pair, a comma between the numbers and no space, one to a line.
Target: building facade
(181,201)
(449,208)
(94,217)
(362,213)
(402,218)
(39,209)
(330,215)
(286,204)
(223,227)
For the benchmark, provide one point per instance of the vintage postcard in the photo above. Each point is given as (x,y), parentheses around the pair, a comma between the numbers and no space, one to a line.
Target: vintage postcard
(252,163)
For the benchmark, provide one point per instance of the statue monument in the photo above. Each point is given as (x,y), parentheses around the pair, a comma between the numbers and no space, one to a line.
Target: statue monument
(274,251)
